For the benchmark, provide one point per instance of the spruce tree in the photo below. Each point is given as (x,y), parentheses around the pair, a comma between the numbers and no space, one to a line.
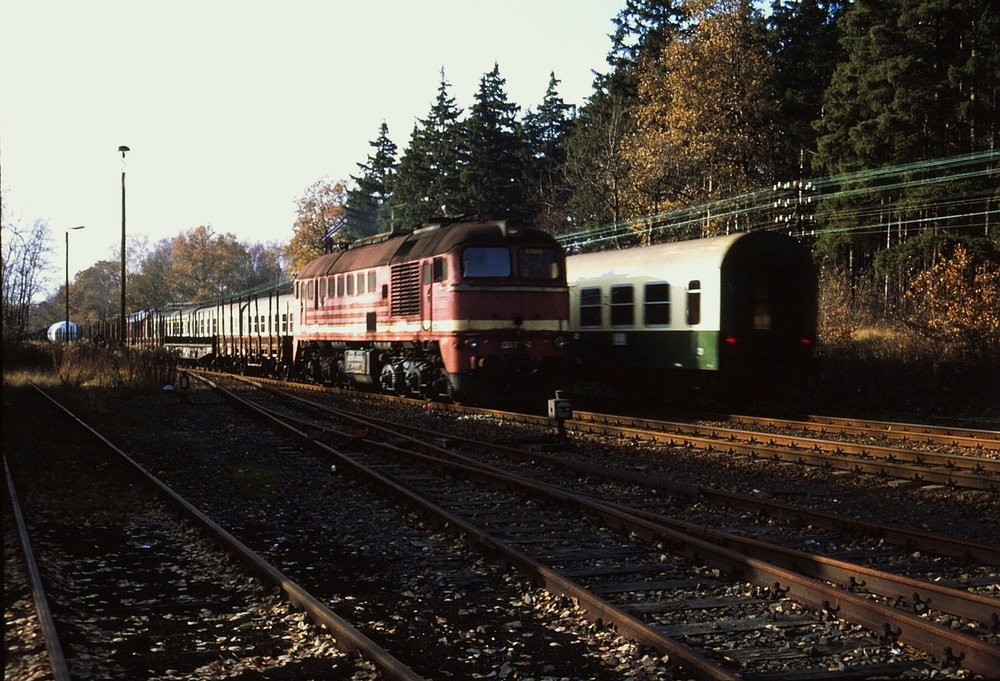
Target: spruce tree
(804,46)
(368,208)
(493,177)
(545,132)
(919,81)
(428,182)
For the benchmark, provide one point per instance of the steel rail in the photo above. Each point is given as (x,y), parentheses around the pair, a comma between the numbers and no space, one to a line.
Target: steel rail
(987,554)
(982,609)
(962,437)
(347,637)
(944,643)
(596,608)
(967,478)
(53,646)
(956,462)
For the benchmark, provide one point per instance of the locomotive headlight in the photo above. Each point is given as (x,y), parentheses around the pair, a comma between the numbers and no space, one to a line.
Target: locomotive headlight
(560,342)
(471,343)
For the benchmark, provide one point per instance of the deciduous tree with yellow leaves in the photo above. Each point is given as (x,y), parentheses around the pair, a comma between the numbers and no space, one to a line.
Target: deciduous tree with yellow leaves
(957,303)
(703,121)
(321,212)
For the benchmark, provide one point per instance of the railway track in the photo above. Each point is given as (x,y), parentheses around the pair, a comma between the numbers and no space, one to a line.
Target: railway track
(977,468)
(770,583)
(129,584)
(923,454)
(403,583)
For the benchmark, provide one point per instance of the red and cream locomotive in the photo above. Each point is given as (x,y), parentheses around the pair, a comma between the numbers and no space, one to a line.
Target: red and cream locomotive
(449,309)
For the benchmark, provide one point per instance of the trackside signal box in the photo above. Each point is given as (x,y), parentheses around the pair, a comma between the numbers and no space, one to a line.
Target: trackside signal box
(560,409)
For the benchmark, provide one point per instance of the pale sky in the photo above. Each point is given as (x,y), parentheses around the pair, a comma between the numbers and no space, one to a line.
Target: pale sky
(231,109)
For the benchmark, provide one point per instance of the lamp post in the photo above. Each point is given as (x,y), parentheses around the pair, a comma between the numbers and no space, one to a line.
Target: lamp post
(121,337)
(68,334)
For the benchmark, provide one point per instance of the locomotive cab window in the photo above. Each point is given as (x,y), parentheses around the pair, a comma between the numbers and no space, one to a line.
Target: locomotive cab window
(694,302)
(483,262)
(538,263)
(656,310)
(622,305)
(590,306)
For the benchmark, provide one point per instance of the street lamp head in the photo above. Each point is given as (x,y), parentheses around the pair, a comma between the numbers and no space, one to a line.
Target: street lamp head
(123,149)
(80,227)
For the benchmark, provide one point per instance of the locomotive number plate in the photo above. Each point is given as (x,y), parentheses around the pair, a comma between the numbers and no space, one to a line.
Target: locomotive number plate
(513,345)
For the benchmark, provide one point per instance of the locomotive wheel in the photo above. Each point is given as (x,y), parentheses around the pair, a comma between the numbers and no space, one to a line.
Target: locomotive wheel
(438,385)
(387,379)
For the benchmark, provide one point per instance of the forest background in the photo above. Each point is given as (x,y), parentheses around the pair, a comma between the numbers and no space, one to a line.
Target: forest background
(868,129)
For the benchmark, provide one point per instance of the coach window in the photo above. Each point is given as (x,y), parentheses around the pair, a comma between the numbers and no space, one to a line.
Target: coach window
(361,282)
(590,306)
(371,281)
(340,285)
(656,310)
(622,305)
(694,302)
(478,261)
(350,284)
(761,303)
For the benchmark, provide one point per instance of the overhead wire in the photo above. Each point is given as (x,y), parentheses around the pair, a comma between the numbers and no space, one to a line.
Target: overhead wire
(790,205)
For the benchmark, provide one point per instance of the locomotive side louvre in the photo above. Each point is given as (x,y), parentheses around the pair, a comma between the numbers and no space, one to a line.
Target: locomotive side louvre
(423,312)
(720,304)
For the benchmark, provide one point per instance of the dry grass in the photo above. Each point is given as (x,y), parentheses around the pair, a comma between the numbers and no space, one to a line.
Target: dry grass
(76,365)
(870,364)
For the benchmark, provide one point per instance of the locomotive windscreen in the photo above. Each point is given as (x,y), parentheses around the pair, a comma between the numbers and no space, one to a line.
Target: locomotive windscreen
(538,263)
(486,262)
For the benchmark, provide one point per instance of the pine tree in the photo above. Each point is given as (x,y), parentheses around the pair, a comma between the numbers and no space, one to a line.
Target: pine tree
(493,178)
(642,29)
(919,82)
(368,208)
